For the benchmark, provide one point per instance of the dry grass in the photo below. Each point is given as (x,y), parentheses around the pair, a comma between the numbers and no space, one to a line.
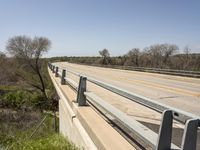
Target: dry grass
(16,128)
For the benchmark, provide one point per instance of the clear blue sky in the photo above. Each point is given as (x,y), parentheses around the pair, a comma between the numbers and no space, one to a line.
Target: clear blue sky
(83,27)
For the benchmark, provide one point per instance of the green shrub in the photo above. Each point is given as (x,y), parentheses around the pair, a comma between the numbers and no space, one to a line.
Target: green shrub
(17,128)
(18,99)
(50,142)
(14,99)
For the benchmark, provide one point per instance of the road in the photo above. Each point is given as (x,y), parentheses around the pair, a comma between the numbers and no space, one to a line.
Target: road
(179,92)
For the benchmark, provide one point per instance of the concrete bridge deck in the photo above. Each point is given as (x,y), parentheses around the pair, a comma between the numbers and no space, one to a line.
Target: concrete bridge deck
(179,92)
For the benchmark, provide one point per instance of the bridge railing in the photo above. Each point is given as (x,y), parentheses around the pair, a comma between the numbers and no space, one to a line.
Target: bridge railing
(161,141)
(186,73)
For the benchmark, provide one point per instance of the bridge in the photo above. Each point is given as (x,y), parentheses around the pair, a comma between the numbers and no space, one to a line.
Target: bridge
(103,108)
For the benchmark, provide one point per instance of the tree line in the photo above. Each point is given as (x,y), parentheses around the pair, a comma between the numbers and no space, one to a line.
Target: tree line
(164,56)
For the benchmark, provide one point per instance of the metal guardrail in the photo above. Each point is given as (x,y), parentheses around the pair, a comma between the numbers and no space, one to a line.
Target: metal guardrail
(162,141)
(167,70)
(187,73)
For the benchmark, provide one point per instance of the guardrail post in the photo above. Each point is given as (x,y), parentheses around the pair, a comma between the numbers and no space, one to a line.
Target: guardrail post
(63,81)
(189,140)
(165,131)
(81,99)
(56,75)
(53,69)
(50,66)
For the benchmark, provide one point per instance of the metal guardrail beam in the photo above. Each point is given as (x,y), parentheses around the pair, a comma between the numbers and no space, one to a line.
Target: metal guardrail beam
(73,84)
(195,74)
(137,128)
(179,115)
(167,70)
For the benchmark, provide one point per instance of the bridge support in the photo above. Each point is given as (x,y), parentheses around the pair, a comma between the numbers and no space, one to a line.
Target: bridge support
(81,99)
(56,75)
(189,140)
(63,81)
(53,69)
(165,132)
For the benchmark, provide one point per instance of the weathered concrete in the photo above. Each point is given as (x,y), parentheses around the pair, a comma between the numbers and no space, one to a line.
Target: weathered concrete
(83,126)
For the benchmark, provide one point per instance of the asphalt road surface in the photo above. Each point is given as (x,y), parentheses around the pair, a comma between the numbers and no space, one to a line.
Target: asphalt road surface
(179,92)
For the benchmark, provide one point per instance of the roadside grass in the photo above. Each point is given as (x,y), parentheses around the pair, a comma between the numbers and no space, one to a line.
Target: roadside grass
(8,87)
(22,109)
(52,141)
(17,128)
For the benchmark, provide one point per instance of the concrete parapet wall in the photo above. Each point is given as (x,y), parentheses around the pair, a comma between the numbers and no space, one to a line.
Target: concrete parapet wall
(71,128)
(69,125)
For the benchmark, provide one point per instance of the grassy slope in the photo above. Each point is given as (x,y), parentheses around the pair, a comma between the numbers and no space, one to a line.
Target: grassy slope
(19,116)
(16,128)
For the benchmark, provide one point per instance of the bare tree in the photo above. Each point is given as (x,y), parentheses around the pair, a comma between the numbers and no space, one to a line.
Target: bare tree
(2,64)
(133,57)
(2,55)
(160,54)
(30,51)
(105,55)
(187,50)
(187,57)
(167,51)
(7,73)
(156,55)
